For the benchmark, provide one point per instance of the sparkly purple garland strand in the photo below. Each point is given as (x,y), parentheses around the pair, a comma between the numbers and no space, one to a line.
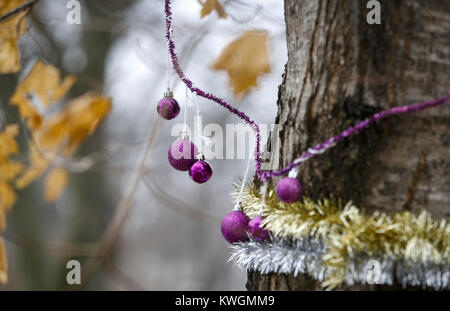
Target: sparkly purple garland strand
(353,130)
(311,152)
(199,92)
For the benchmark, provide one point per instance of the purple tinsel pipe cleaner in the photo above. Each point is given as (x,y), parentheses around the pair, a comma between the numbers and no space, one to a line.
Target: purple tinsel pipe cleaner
(352,130)
(199,92)
(311,152)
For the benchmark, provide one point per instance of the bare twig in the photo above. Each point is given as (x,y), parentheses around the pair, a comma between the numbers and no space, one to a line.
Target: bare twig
(57,250)
(179,206)
(124,207)
(121,277)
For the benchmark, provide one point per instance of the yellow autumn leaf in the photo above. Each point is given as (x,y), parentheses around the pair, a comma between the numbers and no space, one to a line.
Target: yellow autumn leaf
(9,54)
(54,136)
(62,133)
(38,165)
(3,263)
(210,5)
(43,82)
(8,144)
(10,31)
(9,170)
(76,122)
(245,60)
(28,112)
(55,183)
(7,200)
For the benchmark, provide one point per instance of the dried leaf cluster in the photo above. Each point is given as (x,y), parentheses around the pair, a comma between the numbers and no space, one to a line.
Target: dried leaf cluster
(53,137)
(10,32)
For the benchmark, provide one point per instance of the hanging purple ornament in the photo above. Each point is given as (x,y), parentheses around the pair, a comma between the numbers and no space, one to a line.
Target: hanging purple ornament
(200,171)
(235,227)
(168,107)
(256,230)
(289,189)
(182,153)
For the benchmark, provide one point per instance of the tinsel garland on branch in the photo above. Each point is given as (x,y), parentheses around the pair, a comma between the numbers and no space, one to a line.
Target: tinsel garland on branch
(334,242)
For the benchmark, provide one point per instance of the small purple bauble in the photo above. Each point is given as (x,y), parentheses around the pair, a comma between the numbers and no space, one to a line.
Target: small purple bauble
(289,190)
(182,154)
(256,230)
(200,172)
(168,108)
(235,227)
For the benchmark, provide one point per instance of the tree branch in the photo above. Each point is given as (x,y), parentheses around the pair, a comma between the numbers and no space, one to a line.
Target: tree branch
(26,6)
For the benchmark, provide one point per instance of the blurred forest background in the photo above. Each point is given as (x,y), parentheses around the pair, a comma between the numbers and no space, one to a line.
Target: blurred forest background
(167,235)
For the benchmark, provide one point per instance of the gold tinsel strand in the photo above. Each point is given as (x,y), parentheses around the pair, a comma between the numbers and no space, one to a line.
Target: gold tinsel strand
(348,231)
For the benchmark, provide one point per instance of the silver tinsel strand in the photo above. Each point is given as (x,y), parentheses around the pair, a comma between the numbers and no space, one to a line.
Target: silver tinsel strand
(305,256)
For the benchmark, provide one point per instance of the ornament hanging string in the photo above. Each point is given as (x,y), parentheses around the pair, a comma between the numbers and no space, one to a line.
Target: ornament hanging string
(237,207)
(168,68)
(199,130)
(353,130)
(311,152)
(197,107)
(185,112)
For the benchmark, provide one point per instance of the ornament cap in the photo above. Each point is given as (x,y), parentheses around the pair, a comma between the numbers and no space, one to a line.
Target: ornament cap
(237,207)
(185,135)
(168,94)
(200,157)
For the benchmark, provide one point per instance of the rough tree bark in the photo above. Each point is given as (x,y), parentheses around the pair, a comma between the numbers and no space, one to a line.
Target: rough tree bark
(340,70)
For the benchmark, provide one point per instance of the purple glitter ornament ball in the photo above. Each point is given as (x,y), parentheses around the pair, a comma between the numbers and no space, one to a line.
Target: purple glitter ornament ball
(235,227)
(200,172)
(182,154)
(168,108)
(256,230)
(289,190)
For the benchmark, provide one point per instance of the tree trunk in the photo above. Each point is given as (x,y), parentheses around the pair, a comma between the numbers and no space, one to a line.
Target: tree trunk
(341,70)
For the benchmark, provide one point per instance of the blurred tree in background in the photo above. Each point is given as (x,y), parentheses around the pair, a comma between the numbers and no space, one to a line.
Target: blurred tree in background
(113,211)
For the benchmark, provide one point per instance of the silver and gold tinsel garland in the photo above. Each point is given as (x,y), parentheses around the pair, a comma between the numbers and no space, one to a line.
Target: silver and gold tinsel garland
(338,243)
(281,256)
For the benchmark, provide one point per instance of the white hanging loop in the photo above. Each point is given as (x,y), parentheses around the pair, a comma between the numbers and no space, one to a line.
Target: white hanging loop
(185,110)
(168,69)
(199,130)
(199,139)
(293,173)
(237,206)
(185,132)
(263,190)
